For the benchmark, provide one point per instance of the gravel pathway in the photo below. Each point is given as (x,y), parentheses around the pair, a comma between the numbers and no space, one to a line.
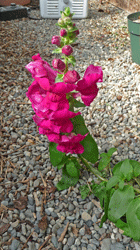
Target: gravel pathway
(29,201)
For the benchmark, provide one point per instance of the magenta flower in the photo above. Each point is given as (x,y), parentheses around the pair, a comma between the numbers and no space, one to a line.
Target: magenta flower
(67,50)
(58,64)
(61,87)
(63,32)
(43,100)
(56,40)
(91,69)
(40,68)
(87,86)
(47,126)
(36,57)
(68,144)
(71,77)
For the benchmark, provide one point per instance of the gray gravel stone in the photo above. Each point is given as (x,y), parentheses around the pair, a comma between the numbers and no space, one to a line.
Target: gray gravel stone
(106,244)
(85,216)
(14,245)
(117,246)
(54,241)
(70,241)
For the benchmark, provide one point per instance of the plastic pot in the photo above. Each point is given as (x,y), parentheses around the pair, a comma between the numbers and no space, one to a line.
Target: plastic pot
(134,29)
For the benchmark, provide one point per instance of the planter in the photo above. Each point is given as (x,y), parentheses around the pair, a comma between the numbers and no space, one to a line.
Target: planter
(134,29)
(8,2)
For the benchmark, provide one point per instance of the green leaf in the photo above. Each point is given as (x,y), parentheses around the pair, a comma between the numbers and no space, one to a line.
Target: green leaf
(106,204)
(71,169)
(104,161)
(106,158)
(59,78)
(71,60)
(99,190)
(64,160)
(124,226)
(127,169)
(121,184)
(119,202)
(55,155)
(78,104)
(136,167)
(66,180)
(111,151)
(67,11)
(57,51)
(112,182)
(90,146)
(133,219)
(116,169)
(85,191)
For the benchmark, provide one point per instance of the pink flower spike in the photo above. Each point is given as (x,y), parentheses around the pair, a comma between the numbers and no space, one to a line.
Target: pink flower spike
(36,57)
(58,64)
(63,114)
(63,32)
(91,69)
(71,77)
(61,87)
(71,144)
(56,40)
(67,50)
(43,82)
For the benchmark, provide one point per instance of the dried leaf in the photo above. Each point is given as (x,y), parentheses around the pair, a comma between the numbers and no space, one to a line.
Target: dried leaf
(43,223)
(38,157)
(31,141)
(21,203)
(87,230)
(52,189)
(4,228)
(75,231)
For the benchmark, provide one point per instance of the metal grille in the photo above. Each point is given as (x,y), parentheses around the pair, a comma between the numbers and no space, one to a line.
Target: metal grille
(53,7)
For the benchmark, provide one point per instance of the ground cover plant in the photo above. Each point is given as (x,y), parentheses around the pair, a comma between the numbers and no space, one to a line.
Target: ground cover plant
(53,95)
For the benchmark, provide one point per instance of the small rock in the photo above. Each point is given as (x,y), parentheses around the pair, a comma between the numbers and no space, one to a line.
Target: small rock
(36,183)
(85,216)
(70,241)
(117,246)
(15,224)
(82,231)
(23,239)
(14,245)
(106,244)
(54,241)
(71,207)
(77,242)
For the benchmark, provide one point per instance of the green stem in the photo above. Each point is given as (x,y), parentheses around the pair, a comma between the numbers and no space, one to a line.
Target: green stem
(66,63)
(91,169)
(98,174)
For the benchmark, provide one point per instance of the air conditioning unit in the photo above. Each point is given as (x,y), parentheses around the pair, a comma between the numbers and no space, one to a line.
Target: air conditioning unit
(52,8)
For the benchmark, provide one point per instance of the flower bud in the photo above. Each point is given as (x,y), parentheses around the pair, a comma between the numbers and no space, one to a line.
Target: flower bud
(60,21)
(76,32)
(71,77)
(67,50)
(67,20)
(56,40)
(63,32)
(58,64)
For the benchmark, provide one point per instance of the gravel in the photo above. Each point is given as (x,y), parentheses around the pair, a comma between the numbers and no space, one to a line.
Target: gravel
(113,119)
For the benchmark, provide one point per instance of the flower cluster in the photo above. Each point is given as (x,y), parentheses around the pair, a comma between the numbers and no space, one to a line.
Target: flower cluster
(52,88)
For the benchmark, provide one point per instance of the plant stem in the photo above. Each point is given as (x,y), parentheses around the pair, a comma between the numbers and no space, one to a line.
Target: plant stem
(66,63)
(91,169)
(98,174)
